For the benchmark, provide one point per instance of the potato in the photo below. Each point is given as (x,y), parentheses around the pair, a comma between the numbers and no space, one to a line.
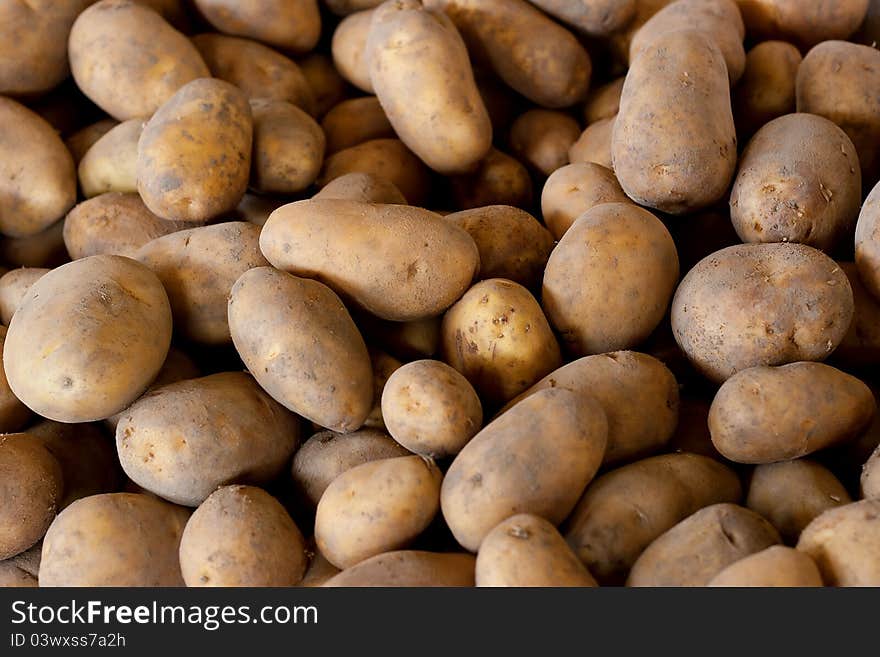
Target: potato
(113,224)
(431,409)
(83,139)
(388,159)
(117,539)
(328,87)
(355,121)
(541,138)
(257,70)
(535,56)
(867,243)
(362,187)
(12,576)
(327,454)
(438,113)
(256,209)
(594,144)
(844,543)
(319,571)
(692,431)
(870,479)
(593,17)
(604,101)
(408,568)
(376,507)
(405,340)
(111,164)
(499,180)
(300,343)
(574,189)
(819,407)
(13,414)
(241,536)
(804,23)
(43,249)
(503,470)
(861,345)
(14,286)
(792,493)
(183,440)
(288,148)
(719,20)
(291,25)
(760,304)
(384,365)
(702,545)
(674,141)
(349,49)
(346,7)
(37,176)
(494,315)
(511,242)
(767,87)
(31,485)
(427,263)
(128,60)
(831,82)
(798,181)
(624,510)
(526,550)
(194,155)
(775,566)
(88,339)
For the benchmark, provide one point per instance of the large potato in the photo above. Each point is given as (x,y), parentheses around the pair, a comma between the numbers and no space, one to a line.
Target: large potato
(355,121)
(774,567)
(609,281)
(362,187)
(805,23)
(13,414)
(288,148)
(594,17)
(408,568)
(765,414)
(573,189)
(88,339)
(674,141)
(14,286)
(760,304)
(293,25)
(349,49)
(194,155)
(37,177)
(128,60)
(300,343)
(499,180)
(110,165)
(624,510)
(503,470)
(541,138)
(767,87)
(117,539)
(427,263)
(604,101)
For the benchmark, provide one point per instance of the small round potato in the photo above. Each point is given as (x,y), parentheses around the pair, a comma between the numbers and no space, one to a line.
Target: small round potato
(499,180)
(594,144)
(604,102)
(409,568)
(110,165)
(767,88)
(542,138)
(574,189)
(349,49)
(362,187)
(355,121)
(292,25)
(777,566)
(14,286)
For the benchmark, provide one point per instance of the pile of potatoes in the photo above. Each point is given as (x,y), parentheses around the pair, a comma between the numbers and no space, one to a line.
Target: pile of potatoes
(439,293)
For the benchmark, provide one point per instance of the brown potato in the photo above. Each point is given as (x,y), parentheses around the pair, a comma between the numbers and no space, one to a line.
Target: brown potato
(499,180)
(346,7)
(349,49)
(256,209)
(542,138)
(593,17)
(867,241)
(328,87)
(692,431)
(43,249)
(774,567)
(14,286)
(406,340)
(12,576)
(83,139)
(767,87)
(111,164)
(13,414)
(618,43)
(355,121)
(594,144)
(860,347)
(408,568)
(574,189)
(292,25)
(604,102)
(870,479)
(804,23)
(362,187)
(384,365)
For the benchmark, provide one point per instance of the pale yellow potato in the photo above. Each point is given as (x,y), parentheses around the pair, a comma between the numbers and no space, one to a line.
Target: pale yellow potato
(409,568)
(574,189)
(355,121)
(499,180)
(292,25)
(363,187)
(14,286)
(110,165)
(349,49)
(594,144)
(777,566)
(542,138)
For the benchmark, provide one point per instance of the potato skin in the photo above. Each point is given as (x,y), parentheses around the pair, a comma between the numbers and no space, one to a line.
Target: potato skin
(14,286)
(870,479)
(497,336)
(526,550)
(798,181)
(376,507)
(776,566)
(499,180)
(327,85)
(542,138)
(116,539)
(355,121)
(593,17)
(43,249)
(767,88)
(420,71)
(485,483)
(860,347)
(362,187)
(683,157)
(128,60)
(597,298)
(349,49)
(844,543)
(822,407)
(242,536)
(346,7)
(594,144)
(604,101)
(194,155)
(291,25)
(13,414)
(804,24)
(37,176)
(12,576)
(110,165)
(323,372)
(83,139)
(701,546)
(427,262)
(319,571)
(867,242)
(408,568)
(624,510)
(116,320)
(781,285)
(575,188)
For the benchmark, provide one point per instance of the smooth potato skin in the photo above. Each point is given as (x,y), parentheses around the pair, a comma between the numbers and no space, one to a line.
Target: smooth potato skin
(542,138)
(128,60)
(298,340)
(288,148)
(355,121)
(624,510)
(604,102)
(427,262)
(593,17)
(781,285)
(292,25)
(594,144)
(376,507)
(575,188)
(37,176)
(499,180)
(88,339)
(767,88)
(116,539)
(503,470)
(362,187)
(804,24)
(349,49)
(777,566)
(14,286)
(408,568)
(526,550)
(596,297)
(674,141)
(867,241)
(110,165)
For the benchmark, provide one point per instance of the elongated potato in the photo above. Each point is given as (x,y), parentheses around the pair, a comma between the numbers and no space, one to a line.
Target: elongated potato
(110,165)
(128,60)
(574,189)
(407,568)
(526,550)
(542,139)
(485,483)
(774,567)
(624,510)
(767,88)
(594,144)
(499,180)
(355,121)
(376,507)
(349,49)
(13,414)
(14,286)
(300,343)
(803,23)
(674,141)
(293,25)
(362,187)
(593,17)
(604,102)
(427,263)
